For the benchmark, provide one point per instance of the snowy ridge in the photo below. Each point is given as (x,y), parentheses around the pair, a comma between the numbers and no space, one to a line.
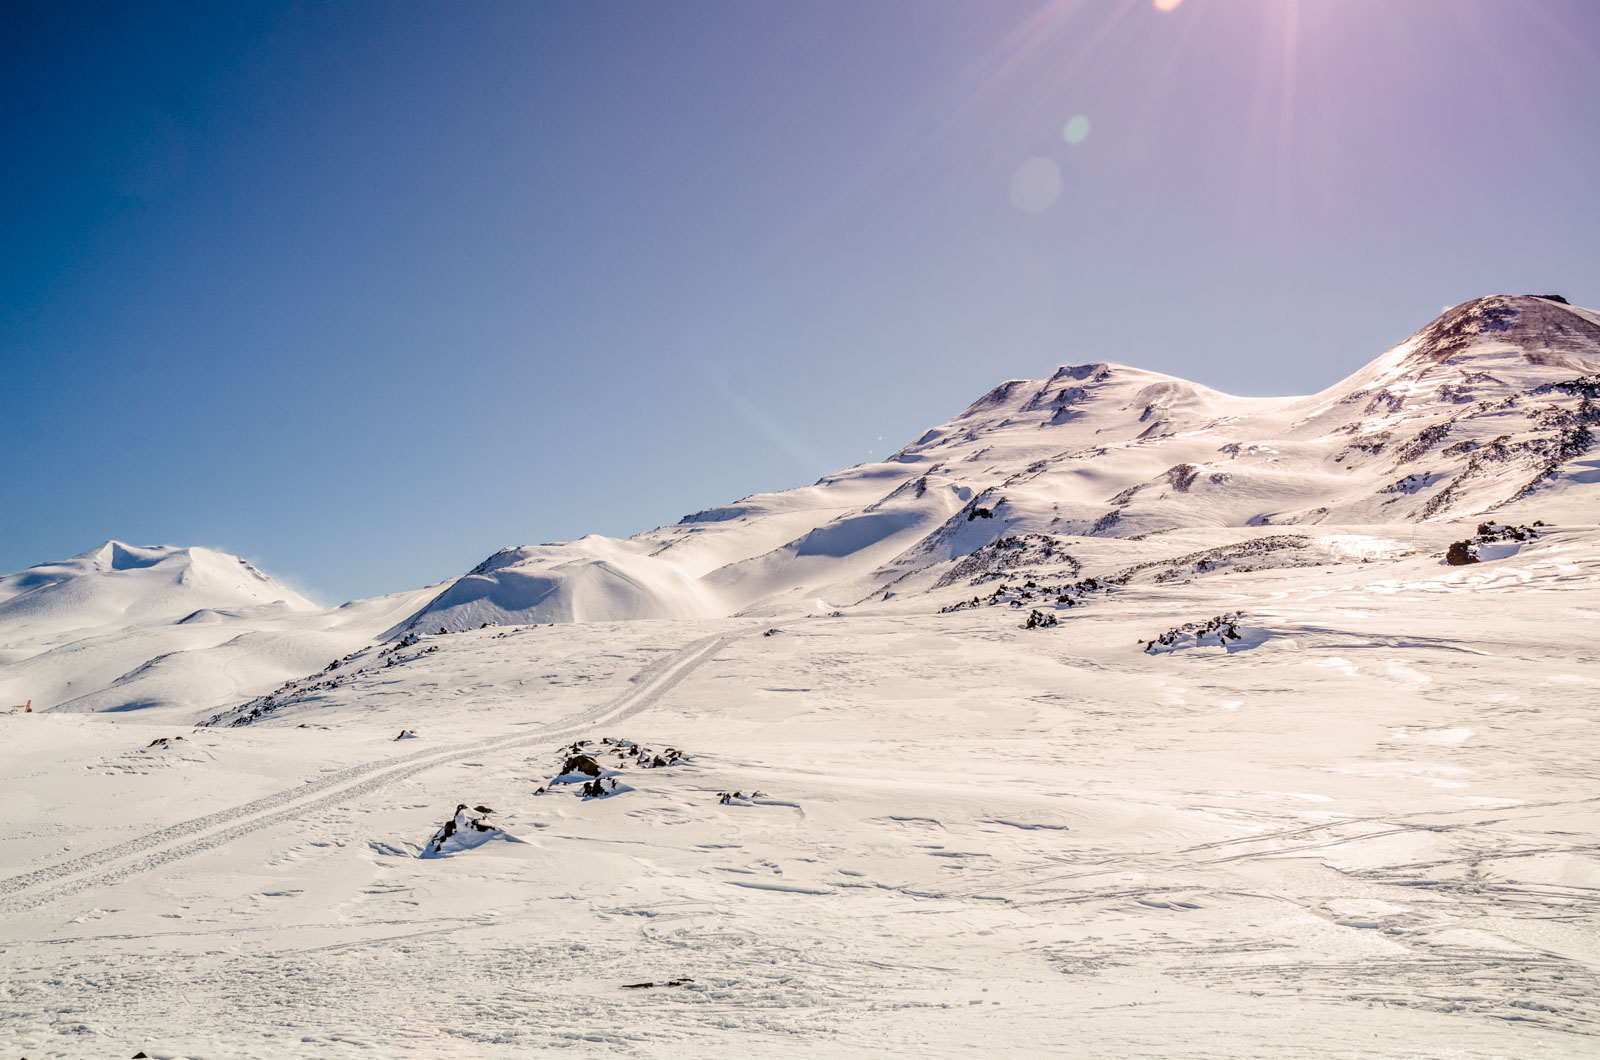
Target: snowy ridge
(1485,407)
(1036,737)
(1488,408)
(121,627)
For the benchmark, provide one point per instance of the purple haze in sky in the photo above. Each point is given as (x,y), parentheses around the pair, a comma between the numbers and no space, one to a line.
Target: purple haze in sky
(364,291)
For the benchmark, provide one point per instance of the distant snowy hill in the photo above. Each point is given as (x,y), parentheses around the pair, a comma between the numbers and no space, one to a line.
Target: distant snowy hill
(1490,405)
(113,586)
(121,626)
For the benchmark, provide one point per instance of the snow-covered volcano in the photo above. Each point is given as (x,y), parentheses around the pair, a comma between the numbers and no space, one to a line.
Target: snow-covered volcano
(1488,409)
(1115,717)
(1490,404)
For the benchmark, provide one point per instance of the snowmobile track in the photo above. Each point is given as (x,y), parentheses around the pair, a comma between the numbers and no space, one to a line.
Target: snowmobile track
(20,893)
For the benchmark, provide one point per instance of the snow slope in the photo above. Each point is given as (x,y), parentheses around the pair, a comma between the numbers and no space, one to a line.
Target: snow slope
(121,627)
(1035,738)
(900,832)
(1487,407)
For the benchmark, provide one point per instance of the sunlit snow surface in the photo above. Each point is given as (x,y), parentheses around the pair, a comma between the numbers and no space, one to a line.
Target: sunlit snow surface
(791,778)
(1373,834)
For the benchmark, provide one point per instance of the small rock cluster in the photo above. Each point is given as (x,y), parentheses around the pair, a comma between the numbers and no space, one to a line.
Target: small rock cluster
(1464,552)
(583,759)
(1007,554)
(1069,595)
(1224,627)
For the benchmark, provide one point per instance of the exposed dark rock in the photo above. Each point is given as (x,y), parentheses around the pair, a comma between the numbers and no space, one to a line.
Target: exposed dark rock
(461,821)
(1224,627)
(581,763)
(1460,554)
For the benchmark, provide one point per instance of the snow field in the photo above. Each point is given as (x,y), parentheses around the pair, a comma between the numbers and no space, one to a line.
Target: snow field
(1370,835)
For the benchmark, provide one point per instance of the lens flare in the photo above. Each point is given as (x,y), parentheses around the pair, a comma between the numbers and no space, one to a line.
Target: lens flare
(1036,185)
(1167,5)
(1076,130)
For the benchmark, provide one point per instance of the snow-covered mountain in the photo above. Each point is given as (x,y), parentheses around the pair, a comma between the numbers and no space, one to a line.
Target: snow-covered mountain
(122,626)
(1114,717)
(1488,406)
(114,586)
(1488,409)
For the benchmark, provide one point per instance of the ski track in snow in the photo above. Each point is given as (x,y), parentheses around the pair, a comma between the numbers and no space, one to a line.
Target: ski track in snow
(955,811)
(112,865)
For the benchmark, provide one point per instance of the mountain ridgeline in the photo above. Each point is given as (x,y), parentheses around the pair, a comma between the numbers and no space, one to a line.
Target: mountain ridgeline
(1488,408)
(1099,475)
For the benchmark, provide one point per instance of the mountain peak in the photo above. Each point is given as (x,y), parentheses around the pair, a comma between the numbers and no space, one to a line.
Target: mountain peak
(1546,329)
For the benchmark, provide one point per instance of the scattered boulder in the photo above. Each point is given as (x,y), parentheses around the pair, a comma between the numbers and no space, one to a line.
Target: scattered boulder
(1461,553)
(163,742)
(407,734)
(600,787)
(469,828)
(647,986)
(1488,533)
(581,763)
(1039,620)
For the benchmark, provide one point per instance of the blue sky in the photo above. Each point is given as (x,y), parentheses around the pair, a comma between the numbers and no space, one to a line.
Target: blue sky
(363,292)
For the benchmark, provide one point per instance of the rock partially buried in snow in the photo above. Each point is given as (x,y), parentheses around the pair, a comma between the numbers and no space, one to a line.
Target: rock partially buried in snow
(467,830)
(600,787)
(580,763)
(1223,631)
(596,766)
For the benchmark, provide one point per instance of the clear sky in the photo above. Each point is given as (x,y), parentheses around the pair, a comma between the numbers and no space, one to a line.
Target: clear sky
(364,291)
